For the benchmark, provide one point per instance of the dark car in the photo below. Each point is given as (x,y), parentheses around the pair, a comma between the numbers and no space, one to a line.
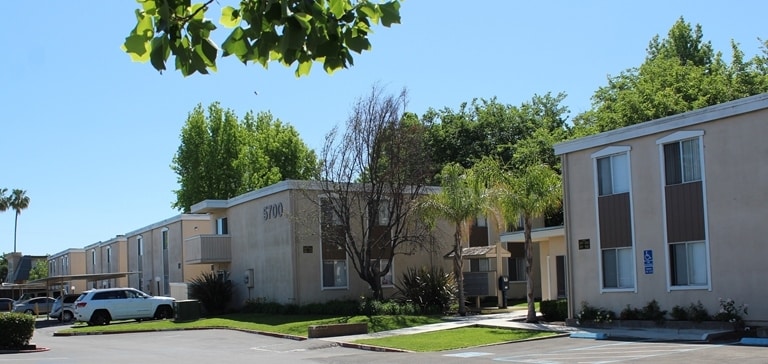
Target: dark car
(35,306)
(64,307)
(6,304)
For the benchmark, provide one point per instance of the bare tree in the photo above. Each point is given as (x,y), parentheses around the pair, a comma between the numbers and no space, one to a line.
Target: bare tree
(371,176)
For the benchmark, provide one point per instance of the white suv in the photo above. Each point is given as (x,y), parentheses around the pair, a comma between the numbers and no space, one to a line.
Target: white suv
(100,306)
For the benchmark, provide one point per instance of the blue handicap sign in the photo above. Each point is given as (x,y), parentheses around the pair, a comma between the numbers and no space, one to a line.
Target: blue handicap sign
(648,261)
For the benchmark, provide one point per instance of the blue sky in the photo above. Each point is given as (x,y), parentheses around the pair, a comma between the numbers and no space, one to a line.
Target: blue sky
(90,135)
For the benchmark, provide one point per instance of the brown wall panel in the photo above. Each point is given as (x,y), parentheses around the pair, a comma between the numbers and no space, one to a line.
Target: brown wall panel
(478,236)
(615,220)
(685,212)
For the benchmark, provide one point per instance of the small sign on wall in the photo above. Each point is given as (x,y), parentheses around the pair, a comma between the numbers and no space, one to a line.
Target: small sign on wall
(648,261)
(307,249)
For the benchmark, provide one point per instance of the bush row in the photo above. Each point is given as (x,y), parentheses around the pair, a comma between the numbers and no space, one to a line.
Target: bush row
(16,330)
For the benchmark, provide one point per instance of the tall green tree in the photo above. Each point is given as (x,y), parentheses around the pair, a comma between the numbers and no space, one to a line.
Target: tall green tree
(39,270)
(272,151)
(205,161)
(287,31)
(3,268)
(17,201)
(461,199)
(680,73)
(220,156)
(528,192)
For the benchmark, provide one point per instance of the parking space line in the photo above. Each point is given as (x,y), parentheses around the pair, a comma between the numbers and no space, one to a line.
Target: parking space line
(604,353)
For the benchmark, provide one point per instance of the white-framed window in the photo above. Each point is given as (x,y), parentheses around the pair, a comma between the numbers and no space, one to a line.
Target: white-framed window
(387,280)
(479,265)
(682,161)
(334,273)
(221,226)
(688,263)
(328,211)
(140,241)
(612,174)
(517,269)
(481,221)
(93,257)
(618,268)
(109,255)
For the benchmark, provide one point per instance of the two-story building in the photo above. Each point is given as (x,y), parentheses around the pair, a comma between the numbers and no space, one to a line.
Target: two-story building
(671,209)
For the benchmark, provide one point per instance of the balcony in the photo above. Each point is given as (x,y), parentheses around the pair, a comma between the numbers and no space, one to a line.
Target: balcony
(207,249)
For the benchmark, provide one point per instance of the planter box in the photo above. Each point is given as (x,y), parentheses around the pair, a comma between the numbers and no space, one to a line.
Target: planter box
(316,331)
(645,324)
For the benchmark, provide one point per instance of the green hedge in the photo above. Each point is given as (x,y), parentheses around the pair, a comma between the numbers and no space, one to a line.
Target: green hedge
(554,310)
(16,330)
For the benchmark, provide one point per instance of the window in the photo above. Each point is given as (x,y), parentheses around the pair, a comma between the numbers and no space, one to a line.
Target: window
(93,257)
(221,226)
(688,263)
(109,255)
(329,214)
(481,221)
(682,161)
(140,241)
(386,280)
(617,268)
(517,269)
(612,174)
(165,239)
(334,273)
(383,215)
(479,265)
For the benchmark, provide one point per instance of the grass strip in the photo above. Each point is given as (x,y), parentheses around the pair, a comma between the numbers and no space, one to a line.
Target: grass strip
(281,324)
(455,338)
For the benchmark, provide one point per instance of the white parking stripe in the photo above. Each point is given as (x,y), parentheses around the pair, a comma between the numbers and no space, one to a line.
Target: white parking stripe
(604,353)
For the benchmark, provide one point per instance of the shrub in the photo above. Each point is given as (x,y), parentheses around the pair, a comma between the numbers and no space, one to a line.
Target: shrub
(431,289)
(213,292)
(730,312)
(16,330)
(371,307)
(554,310)
(679,313)
(334,308)
(697,312)
(629,313)
(594,314)
(653,312)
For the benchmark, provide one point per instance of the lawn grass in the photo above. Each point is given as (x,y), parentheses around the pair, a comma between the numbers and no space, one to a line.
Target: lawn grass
(281,324)
(454,338)
(524,306)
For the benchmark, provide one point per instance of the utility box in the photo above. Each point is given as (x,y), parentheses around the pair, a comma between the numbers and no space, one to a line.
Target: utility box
(187,310)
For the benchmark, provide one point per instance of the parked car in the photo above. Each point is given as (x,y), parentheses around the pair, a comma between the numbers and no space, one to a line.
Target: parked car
(6,304)
(64,308)
(100,306)
(35,306)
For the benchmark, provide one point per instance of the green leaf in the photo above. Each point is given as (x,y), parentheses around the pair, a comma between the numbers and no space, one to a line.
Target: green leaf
(339,7)
(357,44)
(149,6)
(138,47)
(370,11)
(230,17)
(207,51)
(144,26)
(235,44)
(159,53)
(304,20)
(390,13)
(200,14)
(304,67)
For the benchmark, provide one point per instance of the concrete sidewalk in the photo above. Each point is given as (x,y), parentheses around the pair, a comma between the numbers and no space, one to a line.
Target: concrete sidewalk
(515,319)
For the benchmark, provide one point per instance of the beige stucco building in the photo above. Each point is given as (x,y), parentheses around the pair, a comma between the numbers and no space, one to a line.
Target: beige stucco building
(65,263)
(155,253)
(671,209)
(269,243)
(107,257)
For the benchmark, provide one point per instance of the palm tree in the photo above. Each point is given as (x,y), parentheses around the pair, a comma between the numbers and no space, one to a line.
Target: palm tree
(460,201)
(18,200)
(529,193)
(3,199)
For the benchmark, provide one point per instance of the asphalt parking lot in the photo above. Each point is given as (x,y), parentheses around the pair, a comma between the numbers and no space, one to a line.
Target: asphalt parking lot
(214,346)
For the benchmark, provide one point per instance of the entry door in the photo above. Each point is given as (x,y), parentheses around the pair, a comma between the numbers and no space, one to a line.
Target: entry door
(560,275)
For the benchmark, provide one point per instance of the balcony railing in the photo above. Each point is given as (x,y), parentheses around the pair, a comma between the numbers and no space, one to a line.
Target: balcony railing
(205,249)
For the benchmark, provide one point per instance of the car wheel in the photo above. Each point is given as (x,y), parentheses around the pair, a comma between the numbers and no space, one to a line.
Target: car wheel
(163,312)
(99,318)
(66,316)
(29,312)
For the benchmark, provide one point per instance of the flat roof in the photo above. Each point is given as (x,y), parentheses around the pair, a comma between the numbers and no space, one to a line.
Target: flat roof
(536,234)
(76,277)
(694,117)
